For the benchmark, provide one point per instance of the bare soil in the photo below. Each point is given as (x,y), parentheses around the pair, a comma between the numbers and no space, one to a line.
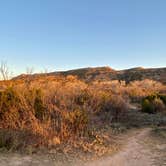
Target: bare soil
(137,150)
(133,153)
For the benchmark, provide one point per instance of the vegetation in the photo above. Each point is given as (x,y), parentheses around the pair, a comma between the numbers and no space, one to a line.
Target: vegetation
(52,111)
(154,103)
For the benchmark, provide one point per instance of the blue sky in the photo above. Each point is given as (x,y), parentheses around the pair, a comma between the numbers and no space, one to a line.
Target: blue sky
(67,34)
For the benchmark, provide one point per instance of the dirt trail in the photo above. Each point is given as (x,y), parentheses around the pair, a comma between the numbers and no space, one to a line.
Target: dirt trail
(133,153)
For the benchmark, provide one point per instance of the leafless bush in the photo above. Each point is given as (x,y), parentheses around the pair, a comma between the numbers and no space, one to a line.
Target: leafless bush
(4,71)
(29,70)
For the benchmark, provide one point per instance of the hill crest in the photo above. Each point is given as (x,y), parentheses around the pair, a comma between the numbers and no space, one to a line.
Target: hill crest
(106,74)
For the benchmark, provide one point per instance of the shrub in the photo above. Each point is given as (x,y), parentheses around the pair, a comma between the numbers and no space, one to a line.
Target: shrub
(39,106)
(119,107)
(158,105)
(147,106)
(152,97)
(111,107)
(163,98)
(8,99)
(76,121)
(9,108)
(153,104)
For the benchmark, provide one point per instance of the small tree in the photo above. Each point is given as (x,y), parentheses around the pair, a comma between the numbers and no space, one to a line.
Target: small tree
(4,71)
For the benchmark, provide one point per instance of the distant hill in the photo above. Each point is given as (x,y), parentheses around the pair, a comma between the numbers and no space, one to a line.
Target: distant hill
(107,73)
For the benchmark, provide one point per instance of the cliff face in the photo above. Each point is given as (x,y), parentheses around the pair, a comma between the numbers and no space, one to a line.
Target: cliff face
(107,73)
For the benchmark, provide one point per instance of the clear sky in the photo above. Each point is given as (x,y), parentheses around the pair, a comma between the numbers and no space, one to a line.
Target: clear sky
(66,34)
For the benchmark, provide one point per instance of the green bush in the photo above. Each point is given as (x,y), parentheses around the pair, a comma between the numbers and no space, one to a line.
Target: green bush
(153,104)
(152,97)
(147,106)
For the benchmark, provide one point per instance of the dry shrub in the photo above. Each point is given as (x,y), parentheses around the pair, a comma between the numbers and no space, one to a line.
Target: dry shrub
(76,122)
(137,90)
(110,107)
(48,112)
(59,109)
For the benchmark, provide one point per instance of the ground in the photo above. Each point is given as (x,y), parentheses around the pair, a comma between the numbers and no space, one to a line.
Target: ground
(139,148)
(133,153)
